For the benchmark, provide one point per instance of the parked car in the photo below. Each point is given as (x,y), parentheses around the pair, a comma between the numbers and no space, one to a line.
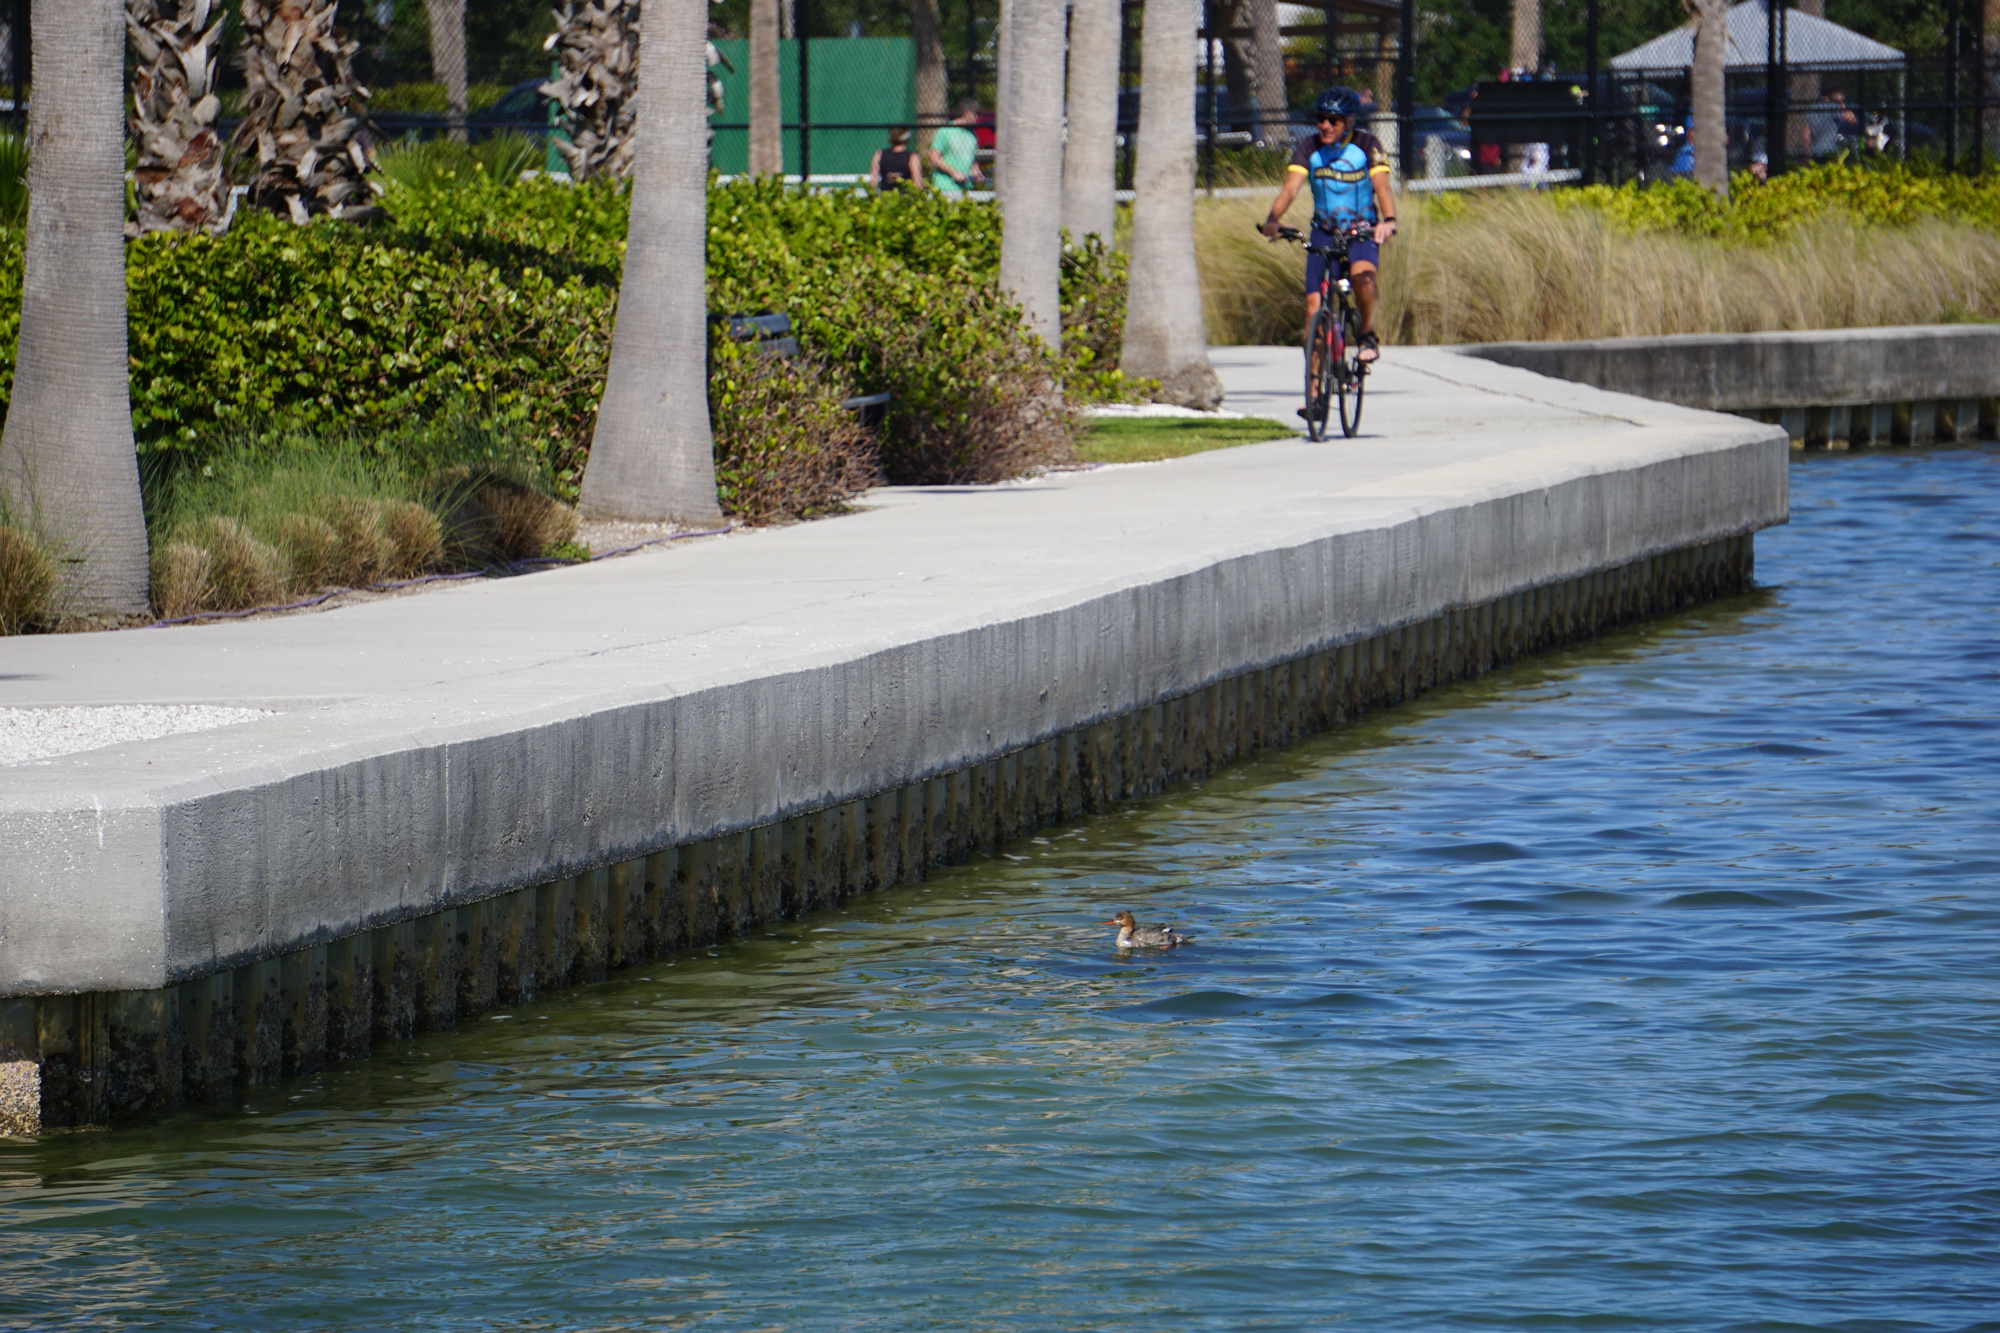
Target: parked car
(1429,123)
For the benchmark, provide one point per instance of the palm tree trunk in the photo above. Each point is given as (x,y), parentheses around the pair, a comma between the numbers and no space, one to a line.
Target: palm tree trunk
(597,47)
(1003,98)
(1031,135)
(178,176)
(1989,86)
(652,457)
(447,23)
(1090,158)
(933,82)
(1802,91)
(767,132)
(1164,339)
(1267,73)
(1705,81)
(66,458)
(1524,51)
(1524,48)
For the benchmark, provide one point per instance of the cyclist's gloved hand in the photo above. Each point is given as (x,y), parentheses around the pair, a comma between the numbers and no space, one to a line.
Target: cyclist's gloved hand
(1384,229)
(1269,228)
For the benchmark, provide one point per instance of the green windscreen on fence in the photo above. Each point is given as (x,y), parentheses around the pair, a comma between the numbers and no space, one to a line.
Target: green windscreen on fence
(868,81)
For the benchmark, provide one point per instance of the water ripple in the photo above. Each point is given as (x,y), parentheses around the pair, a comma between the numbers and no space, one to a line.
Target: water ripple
(1646,986)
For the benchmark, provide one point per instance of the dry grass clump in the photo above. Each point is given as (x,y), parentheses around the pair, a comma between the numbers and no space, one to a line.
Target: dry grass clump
(1250,287)
(1511,265)
(216,564)
(252,532)
(27,583)
(494,518)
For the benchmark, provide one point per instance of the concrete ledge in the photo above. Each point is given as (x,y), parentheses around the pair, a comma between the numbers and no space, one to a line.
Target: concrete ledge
(536,782)
(1754,371)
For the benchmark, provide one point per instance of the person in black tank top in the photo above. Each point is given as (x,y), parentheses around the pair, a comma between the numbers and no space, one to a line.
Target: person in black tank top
(896,166)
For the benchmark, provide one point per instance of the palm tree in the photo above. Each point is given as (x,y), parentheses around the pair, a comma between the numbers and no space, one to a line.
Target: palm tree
(1267,73)
(1525,44)
(178,176)
(447,24)
(652,457)
(597,45)
(66,458)
(1003,96)
(1524,52)
(304,110)
(1705,83)
(1163,331)
(1090,159)
(767,139)
(1031,137)
(1989,85)
(933,82)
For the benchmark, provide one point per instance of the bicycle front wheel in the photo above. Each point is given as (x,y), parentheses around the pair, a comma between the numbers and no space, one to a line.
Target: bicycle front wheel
(1352,375)
(1323,352)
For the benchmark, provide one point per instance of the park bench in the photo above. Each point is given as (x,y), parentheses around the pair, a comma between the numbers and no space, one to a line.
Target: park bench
(772,335)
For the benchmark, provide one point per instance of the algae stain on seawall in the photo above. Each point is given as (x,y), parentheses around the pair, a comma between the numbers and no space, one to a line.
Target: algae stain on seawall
(1648,984)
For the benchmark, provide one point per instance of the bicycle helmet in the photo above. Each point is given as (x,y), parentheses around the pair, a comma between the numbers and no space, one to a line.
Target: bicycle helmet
(1343,102)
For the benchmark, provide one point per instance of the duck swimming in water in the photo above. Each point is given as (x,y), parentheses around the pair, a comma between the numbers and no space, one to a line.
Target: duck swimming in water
(1132,935)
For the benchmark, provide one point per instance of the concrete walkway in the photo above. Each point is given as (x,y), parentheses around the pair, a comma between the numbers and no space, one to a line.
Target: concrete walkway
(912,552)
(435,750)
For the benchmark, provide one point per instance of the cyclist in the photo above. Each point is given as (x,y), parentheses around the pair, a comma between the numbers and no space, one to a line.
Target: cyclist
(1350,186)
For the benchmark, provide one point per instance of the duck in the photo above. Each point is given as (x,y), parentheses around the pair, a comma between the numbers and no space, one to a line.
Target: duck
(1132,935)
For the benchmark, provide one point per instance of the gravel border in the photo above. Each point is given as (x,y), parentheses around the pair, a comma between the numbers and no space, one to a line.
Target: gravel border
(29,734)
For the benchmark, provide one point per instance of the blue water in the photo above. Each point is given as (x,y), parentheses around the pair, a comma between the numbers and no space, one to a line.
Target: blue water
(1650,985)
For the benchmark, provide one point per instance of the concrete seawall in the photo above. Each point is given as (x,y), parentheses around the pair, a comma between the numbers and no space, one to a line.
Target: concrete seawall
(471,797)
(1922,384)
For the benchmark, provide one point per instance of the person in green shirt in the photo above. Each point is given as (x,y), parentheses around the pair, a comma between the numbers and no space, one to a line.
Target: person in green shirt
(955,152)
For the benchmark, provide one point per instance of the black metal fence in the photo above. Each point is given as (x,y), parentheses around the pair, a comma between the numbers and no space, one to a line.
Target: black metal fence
(1597,91)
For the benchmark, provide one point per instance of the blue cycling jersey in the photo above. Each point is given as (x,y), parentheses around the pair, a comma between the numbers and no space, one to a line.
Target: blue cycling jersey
(1342,174)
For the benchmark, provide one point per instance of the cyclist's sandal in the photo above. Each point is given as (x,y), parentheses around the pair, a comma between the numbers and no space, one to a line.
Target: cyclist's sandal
(1370,349)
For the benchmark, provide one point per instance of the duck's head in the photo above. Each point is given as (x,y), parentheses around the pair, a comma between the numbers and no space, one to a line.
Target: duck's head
(1123,919)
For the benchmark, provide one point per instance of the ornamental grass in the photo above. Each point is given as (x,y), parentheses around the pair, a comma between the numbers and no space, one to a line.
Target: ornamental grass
(1509,265)
(27,582)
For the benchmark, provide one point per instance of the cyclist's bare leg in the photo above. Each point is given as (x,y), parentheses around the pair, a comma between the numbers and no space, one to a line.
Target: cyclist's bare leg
(1361,274)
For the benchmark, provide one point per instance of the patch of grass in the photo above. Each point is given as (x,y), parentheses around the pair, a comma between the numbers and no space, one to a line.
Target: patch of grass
(27,582)
(1513,265)
(1149,439)
(273,517)
(431,164)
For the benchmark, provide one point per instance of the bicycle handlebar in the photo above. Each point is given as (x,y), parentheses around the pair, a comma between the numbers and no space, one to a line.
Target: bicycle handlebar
(1365,230)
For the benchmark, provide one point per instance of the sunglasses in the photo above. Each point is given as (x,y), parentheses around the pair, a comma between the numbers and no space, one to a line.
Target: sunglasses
(1331,120)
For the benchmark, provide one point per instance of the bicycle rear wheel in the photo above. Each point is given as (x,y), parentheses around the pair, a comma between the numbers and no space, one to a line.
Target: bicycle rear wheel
(1352,374)
(1322,368)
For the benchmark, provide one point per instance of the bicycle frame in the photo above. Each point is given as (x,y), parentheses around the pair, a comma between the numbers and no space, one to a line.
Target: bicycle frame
(1328,361)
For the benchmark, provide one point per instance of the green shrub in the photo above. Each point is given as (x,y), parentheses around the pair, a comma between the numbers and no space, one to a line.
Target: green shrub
(333,329)
(784,446)
(901,292)
(1879,193)
(13,179)
(486,306)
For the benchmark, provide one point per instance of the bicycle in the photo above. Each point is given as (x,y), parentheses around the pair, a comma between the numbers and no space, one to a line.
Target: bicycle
(1337,373)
